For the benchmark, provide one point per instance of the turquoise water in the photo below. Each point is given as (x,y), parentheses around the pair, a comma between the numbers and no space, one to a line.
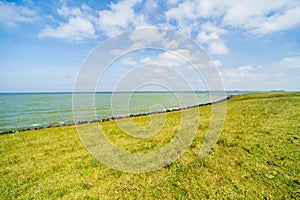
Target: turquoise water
(30,110)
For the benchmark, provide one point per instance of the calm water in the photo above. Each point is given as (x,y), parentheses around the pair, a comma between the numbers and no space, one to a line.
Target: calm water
(20,111)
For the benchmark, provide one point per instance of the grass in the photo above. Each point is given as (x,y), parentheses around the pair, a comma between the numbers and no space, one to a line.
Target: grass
(257,156)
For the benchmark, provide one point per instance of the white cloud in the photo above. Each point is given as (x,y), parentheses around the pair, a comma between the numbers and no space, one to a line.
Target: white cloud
(76,29)
(118,52)
(165,59)
(241,73)
(83,11)
(218,48)
(172,2)
(203,37)
(12,14)
(146,60)
(79,25)
(245,68)
(186,54)
(264,16)
(183,12)
(171,44)
(188,16)
(120,17)
(181,59)
(217,63)
(212,28)
(129,61)
(150,6)
(289,62)
(147,36)
(209,21)
(279,22)
(67,12)
(191,10)
(185,16)
(257,17)
(153,76)
(211,37)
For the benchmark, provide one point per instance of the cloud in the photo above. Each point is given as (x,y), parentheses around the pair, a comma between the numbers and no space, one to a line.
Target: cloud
(212,28)
(217,63)
(129,61)
(183,17)
(186,54)
(256,17)
(289,62)
(205,21)
(120,17)
(259,17)
(241,73)
(152,75)
(263,17)
(118,52)
(150,7)
(172,2)
(210,36)
(84,22)
(181,59)
(78,26)
(173,58)
(165,59)
(183,12)
(203,37)
(67,12)
(217,47)
(11,14)
(188,16)
(278,22)
(147,36)
(76,29)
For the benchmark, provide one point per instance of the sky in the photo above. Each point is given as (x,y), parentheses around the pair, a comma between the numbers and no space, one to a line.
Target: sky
(254,45)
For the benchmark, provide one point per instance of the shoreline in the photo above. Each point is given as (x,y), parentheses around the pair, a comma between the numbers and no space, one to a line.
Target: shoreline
(117,118)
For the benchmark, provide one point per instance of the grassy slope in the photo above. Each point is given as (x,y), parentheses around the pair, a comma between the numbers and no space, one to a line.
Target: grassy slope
(257,156)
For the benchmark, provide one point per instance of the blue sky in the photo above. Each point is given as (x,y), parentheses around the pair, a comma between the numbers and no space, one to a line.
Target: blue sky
(254,44)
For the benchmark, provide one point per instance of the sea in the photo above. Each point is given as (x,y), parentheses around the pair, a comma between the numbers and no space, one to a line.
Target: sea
(21,111)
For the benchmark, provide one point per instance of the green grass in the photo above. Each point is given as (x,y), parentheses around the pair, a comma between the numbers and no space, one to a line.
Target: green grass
(257,156)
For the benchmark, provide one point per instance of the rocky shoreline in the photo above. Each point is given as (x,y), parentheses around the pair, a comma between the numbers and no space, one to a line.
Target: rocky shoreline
(119,117)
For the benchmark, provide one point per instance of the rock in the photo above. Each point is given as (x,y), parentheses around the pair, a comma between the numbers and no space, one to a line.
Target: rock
(270,175)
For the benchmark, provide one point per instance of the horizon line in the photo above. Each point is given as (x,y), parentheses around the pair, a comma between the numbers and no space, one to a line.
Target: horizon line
(144,91)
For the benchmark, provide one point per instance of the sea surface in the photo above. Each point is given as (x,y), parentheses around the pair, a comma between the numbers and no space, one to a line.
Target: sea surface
(19,111)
